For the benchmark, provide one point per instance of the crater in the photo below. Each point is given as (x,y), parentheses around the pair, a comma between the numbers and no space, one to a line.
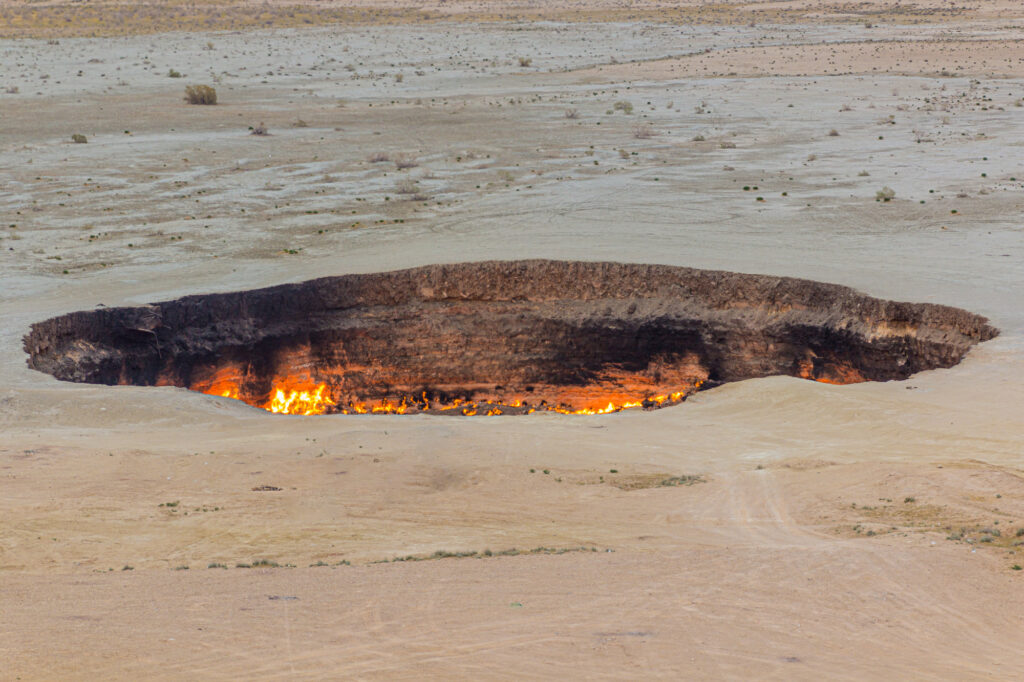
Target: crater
(503,337)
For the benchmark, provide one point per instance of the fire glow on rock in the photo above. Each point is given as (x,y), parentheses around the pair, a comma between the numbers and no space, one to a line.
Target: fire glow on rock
(298,397)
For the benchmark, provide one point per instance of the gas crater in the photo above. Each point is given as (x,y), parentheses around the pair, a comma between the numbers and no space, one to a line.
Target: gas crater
(503,337)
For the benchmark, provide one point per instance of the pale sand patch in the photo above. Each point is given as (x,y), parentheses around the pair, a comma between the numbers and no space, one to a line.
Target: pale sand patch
(974,58)
(59,18)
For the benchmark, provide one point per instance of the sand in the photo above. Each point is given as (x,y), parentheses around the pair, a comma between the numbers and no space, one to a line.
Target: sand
(837,532)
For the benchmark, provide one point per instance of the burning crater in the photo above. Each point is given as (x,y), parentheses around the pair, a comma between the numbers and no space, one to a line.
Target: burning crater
(503,338)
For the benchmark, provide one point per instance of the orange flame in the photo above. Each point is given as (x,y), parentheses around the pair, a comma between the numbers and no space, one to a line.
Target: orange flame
(304,402)
(292,395)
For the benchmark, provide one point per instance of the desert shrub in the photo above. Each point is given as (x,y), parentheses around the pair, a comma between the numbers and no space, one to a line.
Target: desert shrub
(643,132)
(698,138)
(79,138)
(379,157)
(403,161)
(200,94)
(726,144)
(174,74)
(833,133)
(885,194)
(572,113)
(407,187)
(682,480)
(623,106)
(525,61)
(260,129)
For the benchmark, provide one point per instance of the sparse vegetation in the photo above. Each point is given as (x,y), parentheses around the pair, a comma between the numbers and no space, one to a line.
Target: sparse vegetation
(78,138)
(643,131)
(487,553)
(200,94)
(407,186)
(403,161)
(681,480)
(265,563)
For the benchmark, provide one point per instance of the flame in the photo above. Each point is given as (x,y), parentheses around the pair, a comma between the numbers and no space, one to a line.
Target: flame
(302,396)
(301,401)
(837,375)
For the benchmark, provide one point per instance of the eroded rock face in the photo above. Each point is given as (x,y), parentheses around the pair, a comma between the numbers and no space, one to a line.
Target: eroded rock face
(503,337)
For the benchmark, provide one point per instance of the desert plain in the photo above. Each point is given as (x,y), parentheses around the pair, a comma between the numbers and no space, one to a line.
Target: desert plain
(864,531)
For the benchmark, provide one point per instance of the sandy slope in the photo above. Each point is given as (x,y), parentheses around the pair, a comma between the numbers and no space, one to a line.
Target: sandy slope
(829,538)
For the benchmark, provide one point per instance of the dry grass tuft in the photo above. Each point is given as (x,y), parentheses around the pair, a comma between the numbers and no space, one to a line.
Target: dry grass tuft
(643,131)
(200,94)
(403,161)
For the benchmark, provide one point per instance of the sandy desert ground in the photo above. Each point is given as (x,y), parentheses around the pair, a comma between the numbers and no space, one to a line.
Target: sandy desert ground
(856,532)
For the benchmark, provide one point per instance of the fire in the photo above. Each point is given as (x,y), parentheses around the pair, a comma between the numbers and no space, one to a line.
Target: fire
(837,375)
(304,402)
(302,396)
(610,407)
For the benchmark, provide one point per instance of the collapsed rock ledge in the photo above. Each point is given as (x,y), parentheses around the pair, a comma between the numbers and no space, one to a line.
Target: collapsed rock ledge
(503,337)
